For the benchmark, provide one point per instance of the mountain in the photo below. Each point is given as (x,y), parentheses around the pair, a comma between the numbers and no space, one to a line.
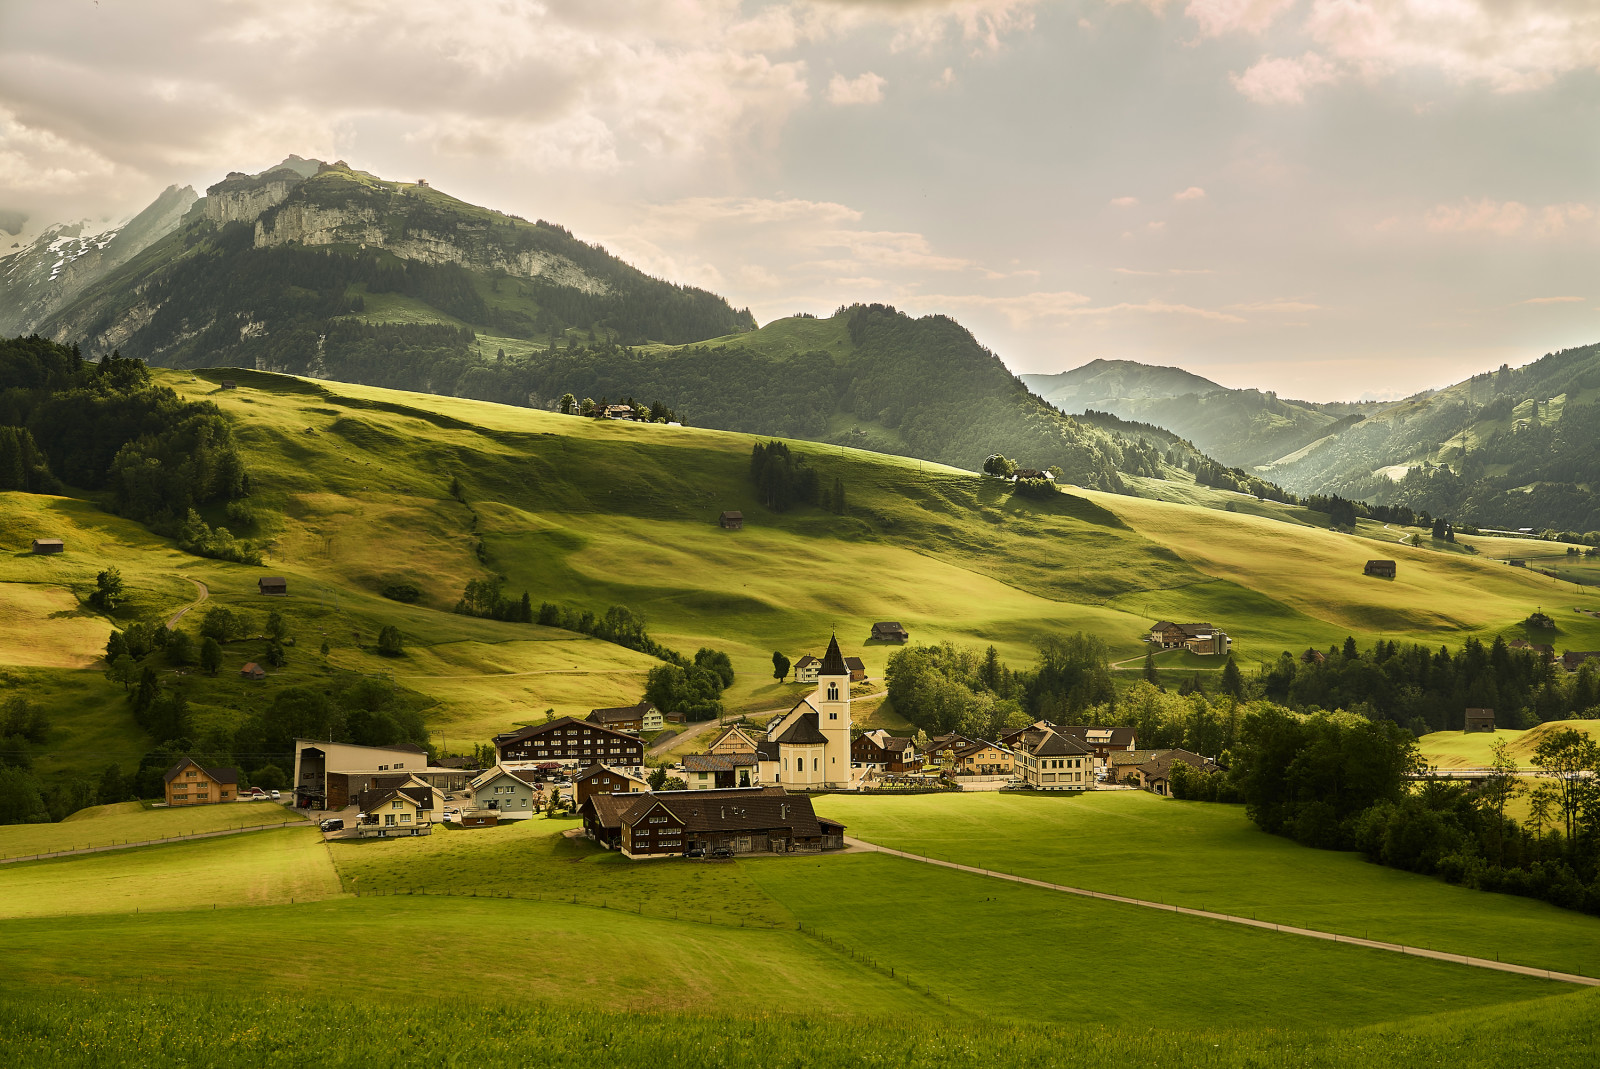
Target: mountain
(1241,428)
(319,269)
(60,263)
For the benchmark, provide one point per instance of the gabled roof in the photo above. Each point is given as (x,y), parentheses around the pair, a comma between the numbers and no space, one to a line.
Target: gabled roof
(619,714)
(833,661)
(980,744)
(1092,735)
(807,661)
(855,664)
(729,810)
(1054,744)
(719,762)
(221,775)
(598,768)
(559,722)
(1158,767)
(488,777)
(370,801)
(1133,757)
(803,732)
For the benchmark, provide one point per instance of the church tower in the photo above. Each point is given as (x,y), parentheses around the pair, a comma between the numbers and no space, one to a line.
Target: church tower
(833,714)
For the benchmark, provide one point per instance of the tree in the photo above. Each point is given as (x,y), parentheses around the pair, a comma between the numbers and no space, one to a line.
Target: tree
(275,656)
(277,627)
(1151,676)
(1498,789)
(1232,679)
(838,496)
(998,465)
(113,786)
(718,663)
(117,646)
(324,648)
(780,666)
(568,404)
(1569,756)
(180,648)
(210,655)
(269,778)
(221,624)
(123,670)
(674,783)
(390,643)
(658,777)
(107,589)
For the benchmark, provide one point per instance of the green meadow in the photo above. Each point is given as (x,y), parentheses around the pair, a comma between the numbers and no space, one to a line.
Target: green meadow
(1457,749)
(1210,856)
(125,822)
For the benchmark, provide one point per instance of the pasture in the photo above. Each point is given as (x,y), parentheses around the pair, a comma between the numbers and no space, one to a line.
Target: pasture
(1457,749)
(130,822)
(1210,856)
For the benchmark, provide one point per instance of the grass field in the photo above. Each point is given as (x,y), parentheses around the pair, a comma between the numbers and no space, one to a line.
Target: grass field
(1457,749)
(1212,857)
(125,822)
(255,869)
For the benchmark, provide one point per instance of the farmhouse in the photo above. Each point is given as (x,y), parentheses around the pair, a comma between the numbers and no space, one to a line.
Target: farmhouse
(731,521)
(1155,774)
(328,775)
(807,669)
(616,412)
(49,545)
(629,718)
(189,784)
(1196,638)
(741,821)
(1381,569)
(510,793)
(599,779)
(575,743)
(274,584)
(1479,720)
(1543,649)
(252,670)
(809,746)
(1123,766)
(1102,742)
(734,739)
(880,751)
(1573,661)
(1049,760)
(1313,655)
(888,631)
(345,787)
(982,758)
(229,384)
(858,669)
(395,811)
(709,771)
(942,750)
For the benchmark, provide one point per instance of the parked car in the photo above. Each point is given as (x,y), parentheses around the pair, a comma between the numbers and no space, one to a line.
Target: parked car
(332,824)
(720,850)
(695,851)
(276,796)
(257,792)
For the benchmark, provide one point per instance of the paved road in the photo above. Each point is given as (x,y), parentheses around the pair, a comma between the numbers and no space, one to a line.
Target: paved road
(157,842)
(1311,933)
(205,592)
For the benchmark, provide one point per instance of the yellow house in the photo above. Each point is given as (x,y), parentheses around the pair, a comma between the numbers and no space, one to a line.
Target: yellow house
(189,784)
(396,811)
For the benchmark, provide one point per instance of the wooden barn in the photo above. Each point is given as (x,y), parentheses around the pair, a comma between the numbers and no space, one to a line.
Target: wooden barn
(1380,569)
(1479,720)
(888,631)
(273,584)
(49,545)
(731,521)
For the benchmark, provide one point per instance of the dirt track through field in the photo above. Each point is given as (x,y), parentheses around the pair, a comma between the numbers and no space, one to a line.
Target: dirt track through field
(1311,933)
(205,592)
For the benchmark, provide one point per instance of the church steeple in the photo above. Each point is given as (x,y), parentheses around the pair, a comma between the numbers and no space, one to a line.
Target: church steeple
(833,661)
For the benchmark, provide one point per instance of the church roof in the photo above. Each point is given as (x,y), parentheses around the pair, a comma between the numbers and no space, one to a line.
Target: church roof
(833,661)
(803,732)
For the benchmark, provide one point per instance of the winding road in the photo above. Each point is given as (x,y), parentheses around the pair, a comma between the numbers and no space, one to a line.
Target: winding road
(205,592)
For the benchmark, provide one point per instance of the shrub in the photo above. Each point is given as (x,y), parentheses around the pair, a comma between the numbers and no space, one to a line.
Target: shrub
(402,592)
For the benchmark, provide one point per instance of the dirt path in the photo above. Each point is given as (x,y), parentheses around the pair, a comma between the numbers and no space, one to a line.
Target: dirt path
(156,842)
(205,592)
(1251,922)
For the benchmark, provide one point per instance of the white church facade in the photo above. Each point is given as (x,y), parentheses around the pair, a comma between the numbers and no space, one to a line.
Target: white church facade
(808,748)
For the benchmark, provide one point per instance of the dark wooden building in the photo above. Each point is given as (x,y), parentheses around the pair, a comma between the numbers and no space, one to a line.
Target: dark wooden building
(1381,569)
(1479,720)
(253,671)
(49,545)
(570,740)
(731,521)
(888,631)
(273,584)
(742,821)
(603,779)
(625,718)
(858,669)
(886,752)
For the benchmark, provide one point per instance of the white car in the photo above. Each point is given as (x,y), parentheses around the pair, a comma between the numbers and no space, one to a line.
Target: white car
(276,796)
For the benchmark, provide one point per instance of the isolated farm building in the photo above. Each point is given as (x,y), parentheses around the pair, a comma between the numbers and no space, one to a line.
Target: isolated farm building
(1155,774)
(710,771)
(858,669)
(1572,660)
(1382,569)
(629,718)
(1032,473)
(603,779)
(1196,638)
(229,384)
(273,584)
(617,412)
(744,820)
(1479,720)
(329,775)
(513,793)
(1051,760)
(1544,649)
(888,631)
(395,811)
(807,668)
(1312,655)
(734,739)
(731,521)
(575,743)
(49,545)
(252,670)
(187,783)
(882,752)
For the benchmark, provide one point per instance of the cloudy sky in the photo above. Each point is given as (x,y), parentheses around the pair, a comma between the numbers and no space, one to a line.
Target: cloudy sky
(1329,198)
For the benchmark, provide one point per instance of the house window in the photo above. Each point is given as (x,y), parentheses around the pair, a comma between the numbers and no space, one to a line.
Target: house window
(388,818)
(191,774)
(399,764)
(405,818)
(395,804)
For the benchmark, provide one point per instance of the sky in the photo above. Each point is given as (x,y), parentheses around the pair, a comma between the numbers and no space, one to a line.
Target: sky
(1327,198)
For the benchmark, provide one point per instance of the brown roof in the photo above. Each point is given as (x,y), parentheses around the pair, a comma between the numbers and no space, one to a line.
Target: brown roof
(1055,744)
(369,801)
(559,722)
(1133,757)
(888,627)
(833,661)
(803,732)
(1480,715)
(1158,767)
(719,762)
(855,664)
(598,768)
(221,775)
(619,714)
(733,809)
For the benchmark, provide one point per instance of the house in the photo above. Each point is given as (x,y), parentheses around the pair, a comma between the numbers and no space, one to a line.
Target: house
(629,718)
(616,412)
(343,788)
(882,752)
(809,746)
(272,584)
(710,771)
(602,779)
(575,743)
(229,384)
(1544,649)
(1479,720)
(1572,661)
(512,793)
(1101,742)
(983,758)
(807,668)
(1197,638)
(252,670)
(329,775)
(1313,655)
(49,545)
(395,811)
(731,521)
(1155,774)
(888,631)
(1124,767)
(942,750)
(1381,569)
(734,739)
(858,670)
(1050,760)
(187,783)
(745,820)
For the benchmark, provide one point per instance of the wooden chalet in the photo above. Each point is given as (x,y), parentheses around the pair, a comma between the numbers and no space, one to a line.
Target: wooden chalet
(1477,720)
(877,749)
(394,811)
(731,521)
(746,820)
(1197,638)
(1379,569)
(710,771)
(49,545)
(1573,660)
(888,631)
(272,584)
(630,718)
(572,742)
(733,739)
(858,669)
(187,783)
(602,779)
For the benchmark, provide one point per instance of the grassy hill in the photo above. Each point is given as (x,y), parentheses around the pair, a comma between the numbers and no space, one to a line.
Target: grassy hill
(351,492)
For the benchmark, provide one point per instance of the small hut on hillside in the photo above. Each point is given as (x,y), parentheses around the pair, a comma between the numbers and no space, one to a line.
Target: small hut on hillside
(1479,720)
(273,584)
(49,545)
(731,521)
(1380,569)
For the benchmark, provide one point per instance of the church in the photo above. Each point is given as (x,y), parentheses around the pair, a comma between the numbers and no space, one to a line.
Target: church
(808,748)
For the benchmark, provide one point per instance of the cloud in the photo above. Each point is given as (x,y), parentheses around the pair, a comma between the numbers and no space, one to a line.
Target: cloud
(1025,309)
(1555,300)
(1192,193)
(1284,81)
(1275,306)
(1124,202)
(1218,17)
(863,89)
(1478,216)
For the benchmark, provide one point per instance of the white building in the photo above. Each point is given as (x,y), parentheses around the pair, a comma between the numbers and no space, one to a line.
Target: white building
(808,748)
